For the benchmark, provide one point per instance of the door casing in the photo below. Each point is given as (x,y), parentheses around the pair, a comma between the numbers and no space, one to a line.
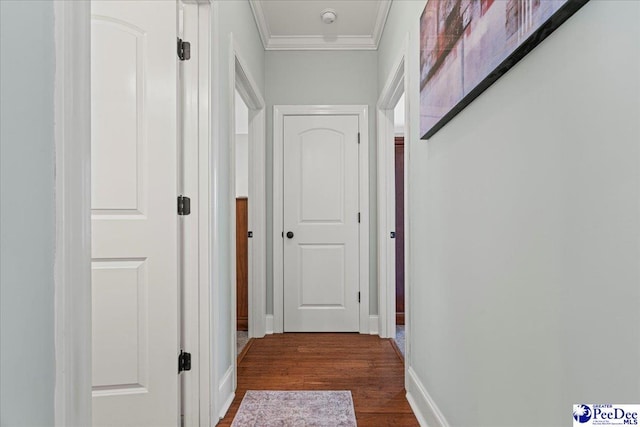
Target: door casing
(241,79)
(397,83)
(197,394)
(279,112)
(72,266)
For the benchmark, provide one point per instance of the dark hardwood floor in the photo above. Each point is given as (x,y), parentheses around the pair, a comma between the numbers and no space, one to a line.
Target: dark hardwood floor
(364,364)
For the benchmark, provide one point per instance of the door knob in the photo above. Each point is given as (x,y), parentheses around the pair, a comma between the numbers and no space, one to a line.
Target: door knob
(290,234)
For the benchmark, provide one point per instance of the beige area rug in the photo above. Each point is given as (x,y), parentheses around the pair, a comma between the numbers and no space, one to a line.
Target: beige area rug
(399,339)
(296,409)
(241,340)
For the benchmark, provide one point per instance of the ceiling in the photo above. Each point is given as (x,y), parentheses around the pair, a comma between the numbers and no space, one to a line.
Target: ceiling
(297,24)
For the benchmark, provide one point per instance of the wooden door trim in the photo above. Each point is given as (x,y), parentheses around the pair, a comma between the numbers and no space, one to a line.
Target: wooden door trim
(279,112)
(242,268)
(399,228)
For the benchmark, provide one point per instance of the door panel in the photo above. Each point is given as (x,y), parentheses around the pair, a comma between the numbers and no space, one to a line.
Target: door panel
(329,288)
(120,342)
(321,176)
(134,222)
(120,55)
(321,210)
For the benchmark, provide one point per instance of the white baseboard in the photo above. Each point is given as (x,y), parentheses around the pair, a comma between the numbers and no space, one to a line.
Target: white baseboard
(374,322)
(423,406)
(269,323)
(226,392)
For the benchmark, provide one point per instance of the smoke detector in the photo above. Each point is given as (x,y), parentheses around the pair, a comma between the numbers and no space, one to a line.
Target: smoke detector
(329,16)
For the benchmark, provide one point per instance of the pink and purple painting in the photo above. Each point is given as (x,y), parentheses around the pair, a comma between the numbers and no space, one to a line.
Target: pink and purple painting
(466,45)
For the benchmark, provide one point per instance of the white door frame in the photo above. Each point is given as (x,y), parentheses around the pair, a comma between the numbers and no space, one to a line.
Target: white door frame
(197,269)
(397,83)
(72,288)
(279,112)
(241,79)
(72,311)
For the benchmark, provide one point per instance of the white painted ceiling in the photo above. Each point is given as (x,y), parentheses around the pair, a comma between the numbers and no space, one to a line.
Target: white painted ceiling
(297,24)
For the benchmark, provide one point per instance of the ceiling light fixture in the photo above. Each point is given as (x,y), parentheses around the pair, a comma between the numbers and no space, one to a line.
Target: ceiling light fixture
(329,16)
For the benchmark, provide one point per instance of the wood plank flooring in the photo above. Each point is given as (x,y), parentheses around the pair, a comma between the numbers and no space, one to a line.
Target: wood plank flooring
(364,364)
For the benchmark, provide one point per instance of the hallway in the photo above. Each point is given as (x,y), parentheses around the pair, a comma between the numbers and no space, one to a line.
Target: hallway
(366,365)
(118,149)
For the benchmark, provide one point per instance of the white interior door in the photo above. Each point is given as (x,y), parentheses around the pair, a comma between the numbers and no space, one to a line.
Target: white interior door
(134,222)
(321,257)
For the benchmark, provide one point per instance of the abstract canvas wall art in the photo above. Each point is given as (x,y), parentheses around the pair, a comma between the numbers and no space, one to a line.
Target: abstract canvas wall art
(466,45)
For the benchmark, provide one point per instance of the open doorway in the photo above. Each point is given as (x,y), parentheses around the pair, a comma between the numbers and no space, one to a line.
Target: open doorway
(398,161)
(247,225)
(394,248)
(242,222)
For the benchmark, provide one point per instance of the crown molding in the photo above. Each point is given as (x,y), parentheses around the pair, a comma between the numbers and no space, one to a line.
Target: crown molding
(381,20)
(365,42)
(320,43)
(261,21)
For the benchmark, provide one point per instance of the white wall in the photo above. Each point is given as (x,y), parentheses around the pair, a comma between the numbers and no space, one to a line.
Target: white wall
(398,117)
(242,147)
(26,213)
(525,222)
(325,78)
(242,165)
(242,115)
(231,19)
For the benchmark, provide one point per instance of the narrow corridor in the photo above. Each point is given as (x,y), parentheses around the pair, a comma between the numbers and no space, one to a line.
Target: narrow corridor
(366,365)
